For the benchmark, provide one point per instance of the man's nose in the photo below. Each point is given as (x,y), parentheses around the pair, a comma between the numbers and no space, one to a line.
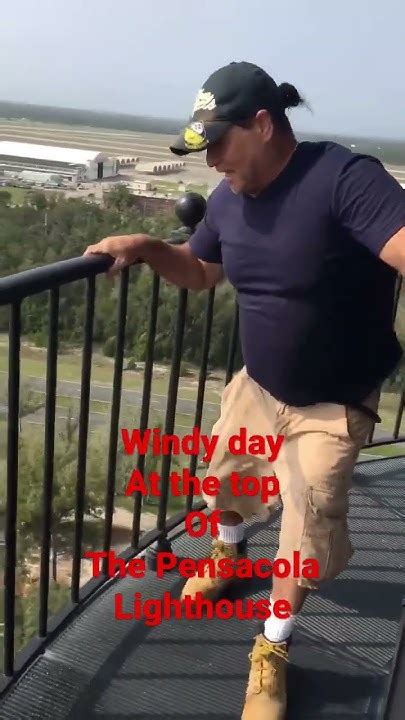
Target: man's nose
(212,157)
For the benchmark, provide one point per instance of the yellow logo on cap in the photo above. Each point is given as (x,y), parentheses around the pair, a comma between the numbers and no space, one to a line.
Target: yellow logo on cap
(194,136)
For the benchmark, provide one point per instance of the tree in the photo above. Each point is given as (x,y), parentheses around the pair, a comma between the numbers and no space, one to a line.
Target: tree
(27,609)
(5,197)
(30,487)
(64,482)
(72,224)
(119,198)
(38,200)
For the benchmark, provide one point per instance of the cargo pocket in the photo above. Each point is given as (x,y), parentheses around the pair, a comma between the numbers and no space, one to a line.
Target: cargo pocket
(325,537)
(359,424)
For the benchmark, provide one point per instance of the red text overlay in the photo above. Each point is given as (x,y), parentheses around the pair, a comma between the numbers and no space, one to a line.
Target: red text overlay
(158,443)
(153,611)
(266,486)
(225,568)
(197,523)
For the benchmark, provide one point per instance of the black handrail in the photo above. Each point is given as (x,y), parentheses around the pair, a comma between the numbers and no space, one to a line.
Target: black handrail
(394,701)
(16,287)
(13,290)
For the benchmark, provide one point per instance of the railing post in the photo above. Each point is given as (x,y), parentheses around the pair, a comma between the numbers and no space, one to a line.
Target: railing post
(201,384)
(115,412)
(393,706)
(49,448)
(83,438)
(190,210)
(12,486)
(147,384)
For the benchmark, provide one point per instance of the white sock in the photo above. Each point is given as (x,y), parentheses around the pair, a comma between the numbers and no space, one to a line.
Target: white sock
(277,629)
(231,534)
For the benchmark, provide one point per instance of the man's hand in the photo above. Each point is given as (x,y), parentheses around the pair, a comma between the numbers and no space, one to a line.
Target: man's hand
(125,249)
(175,263)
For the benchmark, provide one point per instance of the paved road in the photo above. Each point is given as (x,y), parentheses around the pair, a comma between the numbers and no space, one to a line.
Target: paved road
(133,398)
(104,392)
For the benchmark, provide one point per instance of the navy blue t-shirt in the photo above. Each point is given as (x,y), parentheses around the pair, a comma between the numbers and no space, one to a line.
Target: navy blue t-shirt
(315,301)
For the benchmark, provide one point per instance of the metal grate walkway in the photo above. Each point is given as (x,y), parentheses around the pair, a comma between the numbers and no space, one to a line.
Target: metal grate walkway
(101,668)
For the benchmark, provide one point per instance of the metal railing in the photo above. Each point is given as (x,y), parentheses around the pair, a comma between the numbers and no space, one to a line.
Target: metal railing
(393,704)
(13,291)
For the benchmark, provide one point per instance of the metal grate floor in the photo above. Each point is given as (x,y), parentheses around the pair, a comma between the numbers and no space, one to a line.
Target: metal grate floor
(101,668)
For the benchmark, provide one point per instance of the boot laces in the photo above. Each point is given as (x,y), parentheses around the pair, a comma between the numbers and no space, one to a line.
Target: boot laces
(265,667)
(220,550)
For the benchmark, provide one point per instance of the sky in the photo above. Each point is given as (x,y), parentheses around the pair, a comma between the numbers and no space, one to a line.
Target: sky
(150,58)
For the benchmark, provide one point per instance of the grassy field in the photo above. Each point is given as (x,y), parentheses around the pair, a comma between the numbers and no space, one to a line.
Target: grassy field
(66,402)
(389,403)
(33,364)
(385,451)
(17,194)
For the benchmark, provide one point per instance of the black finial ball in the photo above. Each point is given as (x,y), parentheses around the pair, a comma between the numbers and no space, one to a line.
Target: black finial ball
(190,209)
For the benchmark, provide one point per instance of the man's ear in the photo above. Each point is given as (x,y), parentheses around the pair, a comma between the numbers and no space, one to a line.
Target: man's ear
(265,125)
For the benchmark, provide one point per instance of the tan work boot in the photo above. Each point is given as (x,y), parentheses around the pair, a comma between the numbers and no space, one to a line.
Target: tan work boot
(266,694)
(212,587)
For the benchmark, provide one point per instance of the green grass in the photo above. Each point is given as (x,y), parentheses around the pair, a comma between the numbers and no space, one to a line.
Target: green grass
(175,504)
(386,450)
(33,363)
(3,438)
(201,189)
(166,187)
(17,194)
(63,401)
(389,403)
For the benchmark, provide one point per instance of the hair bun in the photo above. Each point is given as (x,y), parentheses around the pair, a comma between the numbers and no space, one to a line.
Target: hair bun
(289,95)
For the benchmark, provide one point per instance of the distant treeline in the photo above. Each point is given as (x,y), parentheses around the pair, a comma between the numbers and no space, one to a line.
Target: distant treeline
(91,118)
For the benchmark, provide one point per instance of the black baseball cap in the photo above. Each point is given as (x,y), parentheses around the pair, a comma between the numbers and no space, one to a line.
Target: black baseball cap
(232,94)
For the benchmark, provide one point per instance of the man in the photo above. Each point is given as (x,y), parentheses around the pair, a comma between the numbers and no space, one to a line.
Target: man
(311,236)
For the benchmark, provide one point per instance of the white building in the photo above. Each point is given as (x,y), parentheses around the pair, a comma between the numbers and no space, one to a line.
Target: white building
(140,185)
(72,164)
(160,168)
(40,178)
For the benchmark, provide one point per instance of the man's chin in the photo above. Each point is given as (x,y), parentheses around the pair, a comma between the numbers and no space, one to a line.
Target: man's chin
(234,184)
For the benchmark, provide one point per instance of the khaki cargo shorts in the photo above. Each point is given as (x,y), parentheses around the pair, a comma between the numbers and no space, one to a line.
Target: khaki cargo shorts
(313,468)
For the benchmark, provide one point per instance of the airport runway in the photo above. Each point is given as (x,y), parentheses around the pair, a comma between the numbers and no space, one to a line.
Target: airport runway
(149,147)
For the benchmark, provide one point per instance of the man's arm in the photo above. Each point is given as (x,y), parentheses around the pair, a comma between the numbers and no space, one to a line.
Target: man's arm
(393,253)
(370,204)
(175,263)
(196,264)
(179,265)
